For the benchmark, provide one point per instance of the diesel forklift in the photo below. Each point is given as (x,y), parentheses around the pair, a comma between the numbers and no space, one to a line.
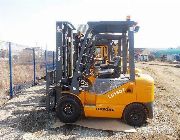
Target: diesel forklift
(74,89)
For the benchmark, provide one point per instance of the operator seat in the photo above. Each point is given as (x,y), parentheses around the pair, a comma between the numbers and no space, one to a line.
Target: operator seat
(111,70)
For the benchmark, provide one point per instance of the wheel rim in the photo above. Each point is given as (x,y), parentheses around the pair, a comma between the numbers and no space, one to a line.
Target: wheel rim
(68,109)
(136,116)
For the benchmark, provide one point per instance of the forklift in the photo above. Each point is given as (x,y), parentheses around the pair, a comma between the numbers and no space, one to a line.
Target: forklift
(74,89)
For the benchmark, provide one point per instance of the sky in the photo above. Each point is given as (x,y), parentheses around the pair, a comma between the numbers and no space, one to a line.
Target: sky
(32,22)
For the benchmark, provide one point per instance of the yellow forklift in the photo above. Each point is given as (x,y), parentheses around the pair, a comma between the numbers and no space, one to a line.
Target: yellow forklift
(74,90)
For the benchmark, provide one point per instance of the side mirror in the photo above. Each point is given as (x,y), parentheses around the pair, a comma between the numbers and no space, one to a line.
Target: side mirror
(136,29)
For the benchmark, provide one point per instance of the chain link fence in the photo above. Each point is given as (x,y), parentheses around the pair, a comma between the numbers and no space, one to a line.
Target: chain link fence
(4,69)
(22,66)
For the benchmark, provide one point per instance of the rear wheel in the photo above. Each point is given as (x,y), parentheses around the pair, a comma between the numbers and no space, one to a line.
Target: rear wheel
(135,114)
(68,109)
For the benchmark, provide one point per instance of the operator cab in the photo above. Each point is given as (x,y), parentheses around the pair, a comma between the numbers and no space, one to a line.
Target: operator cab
(113,73)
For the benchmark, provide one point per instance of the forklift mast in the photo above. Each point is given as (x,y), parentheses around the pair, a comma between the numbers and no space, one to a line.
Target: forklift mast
(64,49)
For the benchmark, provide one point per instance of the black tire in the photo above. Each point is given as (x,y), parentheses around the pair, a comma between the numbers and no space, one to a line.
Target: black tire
(68,109)
(135,114)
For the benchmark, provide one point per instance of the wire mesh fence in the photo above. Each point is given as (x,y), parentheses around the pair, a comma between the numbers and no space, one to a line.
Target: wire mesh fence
(4,69)
(40,63)
(22,66)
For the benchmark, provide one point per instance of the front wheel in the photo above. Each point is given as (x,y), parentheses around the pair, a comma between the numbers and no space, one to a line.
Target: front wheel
(135,114)
(68,109)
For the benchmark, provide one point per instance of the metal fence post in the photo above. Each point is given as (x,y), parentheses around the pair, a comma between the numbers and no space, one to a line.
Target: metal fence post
(46,62)
(53,67)
(10,72)
(53,61)
(34,66)
(47,92)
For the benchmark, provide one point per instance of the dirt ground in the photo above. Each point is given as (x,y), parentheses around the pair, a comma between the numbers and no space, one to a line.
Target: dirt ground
(19,120)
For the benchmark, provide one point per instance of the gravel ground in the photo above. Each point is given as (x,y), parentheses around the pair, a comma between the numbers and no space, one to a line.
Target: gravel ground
(18,120)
